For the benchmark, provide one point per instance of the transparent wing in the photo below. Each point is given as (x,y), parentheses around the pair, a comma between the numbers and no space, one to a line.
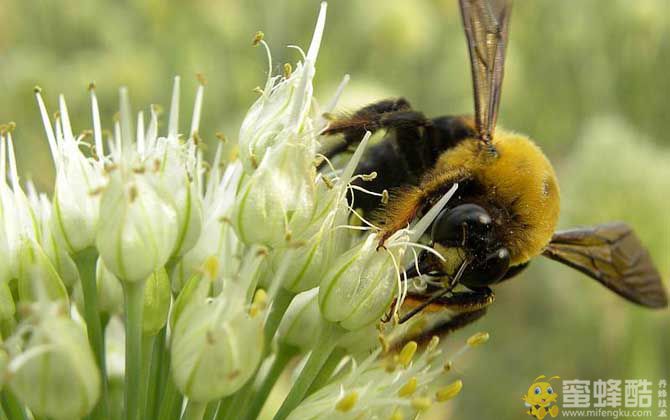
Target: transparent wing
(486,24)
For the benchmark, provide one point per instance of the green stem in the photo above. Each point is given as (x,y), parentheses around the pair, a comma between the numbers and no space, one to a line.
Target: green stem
(169,402)
(327,370)
(86,261)
(258,398)
(210,412)
(317,359)
(134,297)
(277,310)
(224,407)
(194,411)
(12,406)
(154,387)
(147,353)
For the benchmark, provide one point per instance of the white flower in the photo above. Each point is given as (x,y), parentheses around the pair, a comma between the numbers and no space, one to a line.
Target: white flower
(137,229)
(217,344)
(53,372)
(78,177)
(388,386)
(281,113)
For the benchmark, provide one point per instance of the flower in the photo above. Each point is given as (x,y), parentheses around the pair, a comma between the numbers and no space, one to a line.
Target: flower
(216,344)
(77,177)
(52,370)
(137,229)
(387,386)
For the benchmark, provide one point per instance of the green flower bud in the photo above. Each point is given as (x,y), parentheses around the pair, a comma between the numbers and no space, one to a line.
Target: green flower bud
(157,297)
(359,286)
(216,346)
(302,322)
(137,230)
(37,279)
(277,201)
(56,375)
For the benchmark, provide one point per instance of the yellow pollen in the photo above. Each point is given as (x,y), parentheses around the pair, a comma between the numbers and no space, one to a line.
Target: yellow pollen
(409,388)
(477,339)
(421,403)
(433,343)
(201,78)
(397,414)
(258,37)
(448,366)
(259,302)
(407,353)
(347,402)
(449,391)
(211,267)
(287,70)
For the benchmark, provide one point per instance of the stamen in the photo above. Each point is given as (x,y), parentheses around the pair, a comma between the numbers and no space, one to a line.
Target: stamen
(449,391)
(478,339)
(407,353)
(409,388)
(347,402)
(421,403)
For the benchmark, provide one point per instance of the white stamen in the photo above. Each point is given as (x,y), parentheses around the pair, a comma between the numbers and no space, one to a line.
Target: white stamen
(348,172)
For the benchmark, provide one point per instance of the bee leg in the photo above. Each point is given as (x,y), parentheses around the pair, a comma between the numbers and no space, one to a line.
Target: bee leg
(388,113)
(443,327)
(514,271)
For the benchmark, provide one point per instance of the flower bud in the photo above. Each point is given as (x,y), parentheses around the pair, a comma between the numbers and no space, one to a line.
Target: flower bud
(301,324)
(276,202)
(137,230)
(216,346)
(359,286)
(37,278)
(75,208)
(56,375)
(157,297)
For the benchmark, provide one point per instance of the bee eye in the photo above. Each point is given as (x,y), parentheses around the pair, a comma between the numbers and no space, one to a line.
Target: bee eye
(467,224)
(550,391)
(538,391)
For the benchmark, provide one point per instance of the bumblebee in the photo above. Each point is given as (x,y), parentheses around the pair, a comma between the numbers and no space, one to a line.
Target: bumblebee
(506,206)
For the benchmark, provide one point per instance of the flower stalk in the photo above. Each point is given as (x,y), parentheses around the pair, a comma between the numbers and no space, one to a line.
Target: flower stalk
(134,299)
(86,261)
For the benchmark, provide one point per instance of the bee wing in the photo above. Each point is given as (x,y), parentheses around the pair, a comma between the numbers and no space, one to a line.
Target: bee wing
(486,24)
(612,254)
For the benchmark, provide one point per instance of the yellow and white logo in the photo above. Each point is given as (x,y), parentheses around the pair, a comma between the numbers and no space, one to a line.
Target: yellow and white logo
(541,399)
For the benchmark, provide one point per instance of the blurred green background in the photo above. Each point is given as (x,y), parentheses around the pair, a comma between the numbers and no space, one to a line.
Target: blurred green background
(588,80)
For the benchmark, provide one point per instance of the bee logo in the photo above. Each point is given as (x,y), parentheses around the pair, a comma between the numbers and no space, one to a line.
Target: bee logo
(541,399)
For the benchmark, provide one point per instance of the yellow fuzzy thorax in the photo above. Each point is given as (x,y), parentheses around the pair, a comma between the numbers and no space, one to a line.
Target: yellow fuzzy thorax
(519,179)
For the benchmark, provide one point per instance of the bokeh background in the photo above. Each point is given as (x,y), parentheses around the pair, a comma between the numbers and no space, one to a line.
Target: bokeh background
(589,80)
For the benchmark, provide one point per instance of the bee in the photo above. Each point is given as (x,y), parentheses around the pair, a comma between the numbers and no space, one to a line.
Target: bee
(507,202)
